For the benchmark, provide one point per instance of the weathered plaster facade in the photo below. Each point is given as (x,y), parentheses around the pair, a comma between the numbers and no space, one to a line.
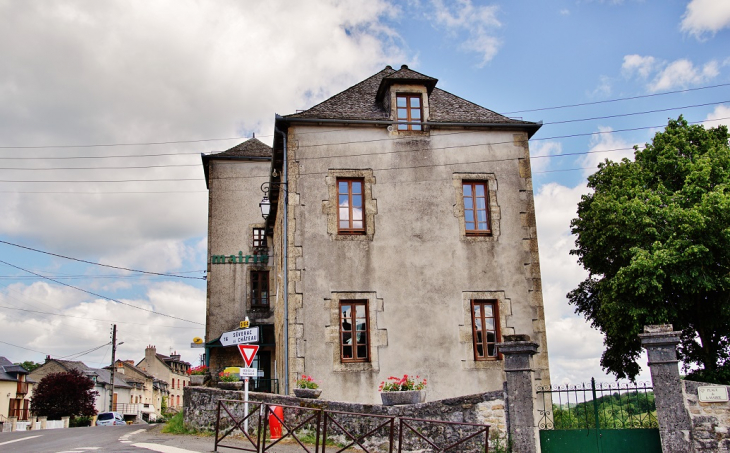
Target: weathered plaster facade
(171,370)
(414,265)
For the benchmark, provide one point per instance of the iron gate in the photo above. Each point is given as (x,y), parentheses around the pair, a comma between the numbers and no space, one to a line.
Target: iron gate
(603,418)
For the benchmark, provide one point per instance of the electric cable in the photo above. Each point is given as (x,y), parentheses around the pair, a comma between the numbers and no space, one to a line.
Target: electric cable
(98,264)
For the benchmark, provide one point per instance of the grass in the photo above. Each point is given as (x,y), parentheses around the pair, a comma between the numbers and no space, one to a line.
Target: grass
(176,425)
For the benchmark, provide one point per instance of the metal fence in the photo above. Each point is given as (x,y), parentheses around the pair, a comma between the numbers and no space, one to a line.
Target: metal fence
(333,430)
(605,405)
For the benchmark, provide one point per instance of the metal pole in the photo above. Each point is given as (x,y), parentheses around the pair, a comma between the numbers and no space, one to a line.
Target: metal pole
(245,404)
(114,353)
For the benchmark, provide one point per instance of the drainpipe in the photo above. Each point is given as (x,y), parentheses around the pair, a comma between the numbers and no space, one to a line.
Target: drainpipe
(286,261)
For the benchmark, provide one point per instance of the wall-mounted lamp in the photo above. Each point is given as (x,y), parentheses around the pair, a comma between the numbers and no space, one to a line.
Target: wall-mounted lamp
(265,204)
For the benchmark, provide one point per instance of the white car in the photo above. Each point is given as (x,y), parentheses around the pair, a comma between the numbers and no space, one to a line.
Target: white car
(110,419)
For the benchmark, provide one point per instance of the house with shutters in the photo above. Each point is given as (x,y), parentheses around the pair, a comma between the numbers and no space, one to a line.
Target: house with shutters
(171,375)
(15,391)
(395,234)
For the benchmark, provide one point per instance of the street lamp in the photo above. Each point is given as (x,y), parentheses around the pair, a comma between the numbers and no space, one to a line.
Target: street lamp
(265,204)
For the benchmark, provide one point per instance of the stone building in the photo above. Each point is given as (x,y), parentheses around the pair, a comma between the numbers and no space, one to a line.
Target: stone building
(171,375)
(401,240)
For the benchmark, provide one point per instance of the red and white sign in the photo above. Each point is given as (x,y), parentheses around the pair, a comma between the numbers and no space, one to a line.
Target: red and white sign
(248,352)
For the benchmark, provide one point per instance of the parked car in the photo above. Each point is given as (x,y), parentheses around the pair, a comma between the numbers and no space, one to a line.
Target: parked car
(110,419)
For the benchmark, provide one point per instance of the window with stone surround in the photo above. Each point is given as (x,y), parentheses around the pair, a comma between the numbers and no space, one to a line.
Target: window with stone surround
(259,237)
(408,109)
(354,331)
(350,204)
(485,329)
(350,207)
(476,206)
(259,289)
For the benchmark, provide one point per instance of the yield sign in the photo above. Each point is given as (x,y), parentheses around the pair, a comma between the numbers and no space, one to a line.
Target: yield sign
(248,351)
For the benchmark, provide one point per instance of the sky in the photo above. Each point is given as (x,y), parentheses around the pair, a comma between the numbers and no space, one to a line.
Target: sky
(105,108)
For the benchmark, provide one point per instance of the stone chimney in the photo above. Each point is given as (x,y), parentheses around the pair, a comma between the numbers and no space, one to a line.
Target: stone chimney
(175,356)
(150,353)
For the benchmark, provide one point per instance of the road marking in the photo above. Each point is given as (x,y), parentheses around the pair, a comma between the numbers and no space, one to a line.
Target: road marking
(18,440)
(125,438)
(163,448)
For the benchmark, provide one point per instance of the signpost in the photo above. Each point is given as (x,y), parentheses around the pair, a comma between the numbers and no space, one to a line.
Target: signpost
(241,336)
(248,352)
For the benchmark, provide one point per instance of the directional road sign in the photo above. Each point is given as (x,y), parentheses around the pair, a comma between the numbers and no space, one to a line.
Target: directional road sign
(242,336)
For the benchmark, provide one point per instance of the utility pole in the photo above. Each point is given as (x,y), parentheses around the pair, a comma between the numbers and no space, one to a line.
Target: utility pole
(114,354)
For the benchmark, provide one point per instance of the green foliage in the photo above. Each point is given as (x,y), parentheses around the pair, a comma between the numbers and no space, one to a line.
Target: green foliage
(498,444)
(64,394)
(718,376)
(626,410)
(227,377)
(655,238)
(306,382)
(29,365)
(77,422)
(176,425)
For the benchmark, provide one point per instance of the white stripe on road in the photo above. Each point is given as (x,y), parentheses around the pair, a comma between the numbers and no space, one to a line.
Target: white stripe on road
(163,448)
(18,440)
(125,438)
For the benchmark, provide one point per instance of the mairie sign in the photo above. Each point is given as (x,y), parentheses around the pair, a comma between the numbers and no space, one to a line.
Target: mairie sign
(238,259)
(242,336)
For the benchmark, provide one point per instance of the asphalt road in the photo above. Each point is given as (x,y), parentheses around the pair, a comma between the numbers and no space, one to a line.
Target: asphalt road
(118,439)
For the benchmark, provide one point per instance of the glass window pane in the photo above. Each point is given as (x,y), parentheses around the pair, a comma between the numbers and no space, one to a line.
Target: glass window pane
(356,187)
(362,352)
(491,337)
(483,226)
(343,187)
(403,113)
(362,338)
(480,189)
(481,203)
(469,216)
(468,203)
(478,324)
(489,323)
(343,200)
(345,311)
(481,216)
(491,351)
(401,101)
(415,101)
(357,224)
(402,127)
(344,214)
(346,352)
(469,225)
(360,311)
(488,310)
(416,127)
(480,351)
(357,214)
(467,190)
(357,201)
(415,115)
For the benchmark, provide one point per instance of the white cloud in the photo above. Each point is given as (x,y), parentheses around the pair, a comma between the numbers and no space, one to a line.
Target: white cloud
(545,148)
(605,145)
(138,71)
(721,115)
(705,16)
(565,12)
(636,64)
(682,73)
(477,21)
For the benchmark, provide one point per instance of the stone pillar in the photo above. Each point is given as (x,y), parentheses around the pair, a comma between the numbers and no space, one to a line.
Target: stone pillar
(65,421)
(13,422)
(661,343)
(44,421)
(518,351)
(31,423)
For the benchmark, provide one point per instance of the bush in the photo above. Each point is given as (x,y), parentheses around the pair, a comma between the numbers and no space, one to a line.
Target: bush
(718,376)
(77,422)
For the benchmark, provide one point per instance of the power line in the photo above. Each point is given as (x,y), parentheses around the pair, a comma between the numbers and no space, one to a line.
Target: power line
(79,354)
(616,99)
(104,181)
(100,168)
(21,347)
(98,264)
(99,295)
(95,319)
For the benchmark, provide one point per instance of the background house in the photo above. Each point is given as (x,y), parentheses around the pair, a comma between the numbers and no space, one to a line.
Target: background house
(15,390)
(171,372)
(147,392)
(407,219)
(100,376)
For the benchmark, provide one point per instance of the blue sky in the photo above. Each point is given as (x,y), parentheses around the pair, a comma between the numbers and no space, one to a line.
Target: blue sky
(134,73)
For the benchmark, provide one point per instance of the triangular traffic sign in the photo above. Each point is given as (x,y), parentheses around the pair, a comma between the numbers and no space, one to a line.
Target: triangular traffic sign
(248,352)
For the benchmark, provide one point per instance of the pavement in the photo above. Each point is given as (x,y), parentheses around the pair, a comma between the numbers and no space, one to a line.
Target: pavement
(183,443)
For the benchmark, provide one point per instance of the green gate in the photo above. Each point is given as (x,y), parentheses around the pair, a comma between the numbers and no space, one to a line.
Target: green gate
(603,418)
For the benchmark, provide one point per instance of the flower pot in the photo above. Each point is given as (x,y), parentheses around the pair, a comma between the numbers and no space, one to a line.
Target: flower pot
(197,379)
(307,393)
(230,385)
(407,397)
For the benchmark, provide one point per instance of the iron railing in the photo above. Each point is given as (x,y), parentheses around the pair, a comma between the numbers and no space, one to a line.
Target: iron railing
(618,405)
(328,428)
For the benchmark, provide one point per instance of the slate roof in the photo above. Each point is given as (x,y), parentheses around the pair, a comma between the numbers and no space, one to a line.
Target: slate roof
(103,375)
(250,148)
(361,102)
(9,371)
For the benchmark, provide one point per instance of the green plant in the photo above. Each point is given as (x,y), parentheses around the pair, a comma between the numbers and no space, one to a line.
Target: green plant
(76,422)
(227,377)
(306,382)
(176,425)
(394,384)
(499,444)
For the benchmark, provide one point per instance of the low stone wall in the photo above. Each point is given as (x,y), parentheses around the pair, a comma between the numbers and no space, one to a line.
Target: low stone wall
(200,407)
(710,421)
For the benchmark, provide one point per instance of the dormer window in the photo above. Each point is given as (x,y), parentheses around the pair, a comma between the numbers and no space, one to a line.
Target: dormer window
(408,109)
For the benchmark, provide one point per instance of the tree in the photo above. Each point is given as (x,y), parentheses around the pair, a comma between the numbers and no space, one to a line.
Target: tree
(654,236)
(29,365)
(64,394)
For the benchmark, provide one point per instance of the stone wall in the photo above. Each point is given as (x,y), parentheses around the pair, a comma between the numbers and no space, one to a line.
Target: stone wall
(200,410)
(710,421)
